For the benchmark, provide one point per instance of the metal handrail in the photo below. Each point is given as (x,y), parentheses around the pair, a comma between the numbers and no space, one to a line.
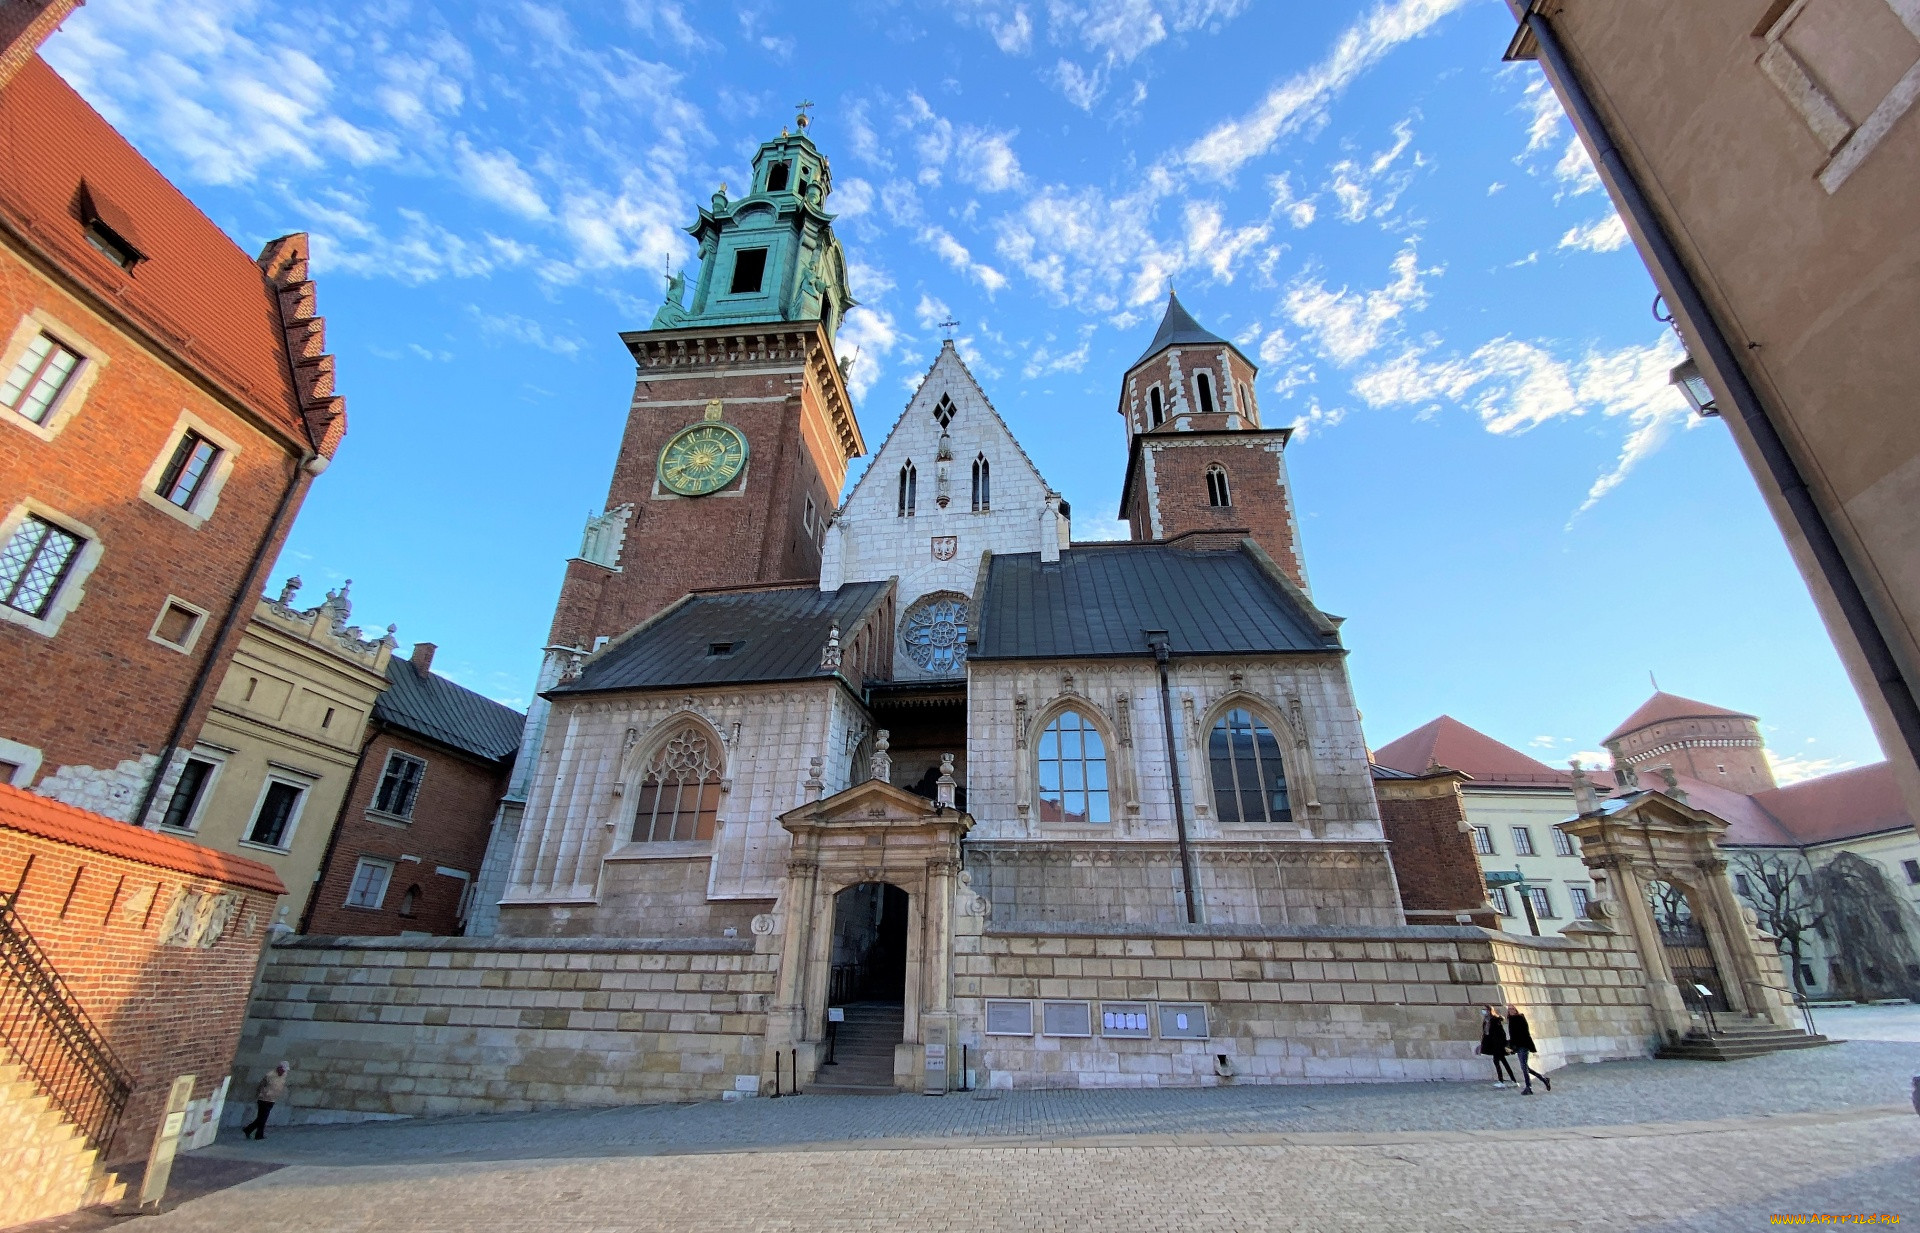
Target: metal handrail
(55,1041)
(1800,1000)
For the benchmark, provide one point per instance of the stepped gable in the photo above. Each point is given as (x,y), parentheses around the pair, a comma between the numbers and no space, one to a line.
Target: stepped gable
(245,326)
(430,705)
(1664,706)
(1457,747)
(1100,598)
(1843,805)
(772,634)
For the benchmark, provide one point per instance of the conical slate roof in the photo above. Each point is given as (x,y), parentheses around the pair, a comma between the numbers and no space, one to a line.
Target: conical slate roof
(1177,329)
(1664,706)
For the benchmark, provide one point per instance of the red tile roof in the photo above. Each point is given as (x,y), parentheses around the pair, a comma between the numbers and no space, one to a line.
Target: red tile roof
(1664,706)
(1838,806)
(21,810)
(1457,747)
(196,292)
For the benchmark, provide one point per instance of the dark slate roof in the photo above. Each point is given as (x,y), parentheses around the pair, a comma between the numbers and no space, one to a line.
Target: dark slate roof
(1178,328)
(1100,599)
(777,635)
(439,710)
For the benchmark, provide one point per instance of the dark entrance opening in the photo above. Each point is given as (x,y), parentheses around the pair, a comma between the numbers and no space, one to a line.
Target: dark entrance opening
(869,945)
(1689,954)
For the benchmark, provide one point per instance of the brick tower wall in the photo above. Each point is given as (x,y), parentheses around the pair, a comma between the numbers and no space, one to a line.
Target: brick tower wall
(1169,491)
(782,391)
(1432,849)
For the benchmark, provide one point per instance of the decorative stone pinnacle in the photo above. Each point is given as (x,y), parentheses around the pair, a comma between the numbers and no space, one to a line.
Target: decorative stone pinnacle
(943,786)
(288,591)
(880,766)
(830,654)
(815,784)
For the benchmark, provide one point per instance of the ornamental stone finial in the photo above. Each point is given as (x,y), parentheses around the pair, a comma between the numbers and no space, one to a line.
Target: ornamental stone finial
(881,765)
(815,784)
(943,786)
(290,589)
(1585,801)
(830,654)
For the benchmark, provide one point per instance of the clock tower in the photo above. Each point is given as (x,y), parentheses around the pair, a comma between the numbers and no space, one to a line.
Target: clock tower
(740,429)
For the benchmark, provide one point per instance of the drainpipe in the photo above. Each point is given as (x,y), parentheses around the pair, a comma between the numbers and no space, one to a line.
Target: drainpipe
(248,594)
(1895,689)
(1157,640)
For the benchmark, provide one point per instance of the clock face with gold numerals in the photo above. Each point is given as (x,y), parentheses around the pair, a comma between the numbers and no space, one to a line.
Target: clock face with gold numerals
(702,459)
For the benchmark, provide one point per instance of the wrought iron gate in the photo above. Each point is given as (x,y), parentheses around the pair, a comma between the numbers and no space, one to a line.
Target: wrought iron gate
(1690,959)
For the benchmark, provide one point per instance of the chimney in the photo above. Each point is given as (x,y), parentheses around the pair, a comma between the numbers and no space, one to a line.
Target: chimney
(422,657)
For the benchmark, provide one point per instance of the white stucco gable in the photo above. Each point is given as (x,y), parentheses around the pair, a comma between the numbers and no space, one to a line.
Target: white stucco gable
(936,547)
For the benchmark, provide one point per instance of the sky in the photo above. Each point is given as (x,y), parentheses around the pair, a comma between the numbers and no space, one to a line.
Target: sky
(1498,489)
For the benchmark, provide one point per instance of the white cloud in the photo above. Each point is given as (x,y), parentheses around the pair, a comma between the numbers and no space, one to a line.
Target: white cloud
(1211,243)
(1045,358)
(1303,98)
(1348,325)
(1792,768)
(1602,235)
(1372,188)
(868,281)
(955,254)
(988,160)
(424,251)
(931,311)
(1575,171)
(521,329)
(1544,114)
(1089,248)
(1082,88)
(1012,33)
(851,198)
(1299,211)
(1089,528)
(1118,32)
(497,176)
(666,21)
(867,337)
(1316,417)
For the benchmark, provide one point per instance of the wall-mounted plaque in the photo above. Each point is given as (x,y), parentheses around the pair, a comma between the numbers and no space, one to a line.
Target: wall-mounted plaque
(1125,1019)
(1183,1021)
(1066,1018)
(1009,1018)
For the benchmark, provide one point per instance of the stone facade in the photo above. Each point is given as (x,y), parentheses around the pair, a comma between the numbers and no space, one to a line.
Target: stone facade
(471,1025)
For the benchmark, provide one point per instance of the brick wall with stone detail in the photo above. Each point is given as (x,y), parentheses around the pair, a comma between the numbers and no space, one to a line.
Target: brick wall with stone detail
(1433,857)
(1172,479)
(472,1025)
(1292,1005)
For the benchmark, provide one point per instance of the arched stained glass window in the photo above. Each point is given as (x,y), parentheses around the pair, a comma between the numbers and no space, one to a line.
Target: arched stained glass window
(1249,782)
(679,795)
(1073,771)
(909,489)
(982,484)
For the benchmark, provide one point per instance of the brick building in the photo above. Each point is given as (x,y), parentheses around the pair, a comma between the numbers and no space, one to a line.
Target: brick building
(164,405)
(154,940)
(408,845)
(1434,863)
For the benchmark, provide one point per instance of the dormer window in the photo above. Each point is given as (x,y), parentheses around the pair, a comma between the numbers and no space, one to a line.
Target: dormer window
(720,650)
(749,268)
(777,176)
(108,230)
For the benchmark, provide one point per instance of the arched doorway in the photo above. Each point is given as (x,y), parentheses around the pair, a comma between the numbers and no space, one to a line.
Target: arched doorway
(869,961)
(1689,954)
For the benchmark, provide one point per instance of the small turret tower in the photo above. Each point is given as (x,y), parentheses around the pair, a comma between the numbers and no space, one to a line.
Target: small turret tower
(1199,458)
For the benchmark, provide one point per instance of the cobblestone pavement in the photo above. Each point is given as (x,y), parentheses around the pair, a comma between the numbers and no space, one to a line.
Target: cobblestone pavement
(1870,1022)
(1638,1145)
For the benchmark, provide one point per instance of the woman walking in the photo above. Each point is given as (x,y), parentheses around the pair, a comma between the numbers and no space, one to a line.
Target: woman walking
(1520,1040)
(1493,1043)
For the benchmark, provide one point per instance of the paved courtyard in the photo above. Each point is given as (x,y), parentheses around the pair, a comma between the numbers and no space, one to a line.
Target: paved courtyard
(1639,1145)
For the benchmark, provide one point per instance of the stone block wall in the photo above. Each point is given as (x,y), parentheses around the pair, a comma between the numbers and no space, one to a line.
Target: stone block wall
(641,896)
(1294,1005)
(493,1025)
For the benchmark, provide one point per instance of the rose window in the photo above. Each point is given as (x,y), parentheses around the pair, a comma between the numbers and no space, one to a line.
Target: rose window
(934,632)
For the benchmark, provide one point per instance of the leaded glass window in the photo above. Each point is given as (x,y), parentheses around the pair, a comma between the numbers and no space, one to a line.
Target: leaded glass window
(34,563)
(679,795)
(187,471)
(982,484)
(1073,771)
(1249,782)
(934,632)
(909,490)
(38,378)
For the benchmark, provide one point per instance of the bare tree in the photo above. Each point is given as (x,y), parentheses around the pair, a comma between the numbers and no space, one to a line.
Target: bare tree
(1776,886)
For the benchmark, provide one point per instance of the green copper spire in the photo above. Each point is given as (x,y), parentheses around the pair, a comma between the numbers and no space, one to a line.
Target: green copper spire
(770,255)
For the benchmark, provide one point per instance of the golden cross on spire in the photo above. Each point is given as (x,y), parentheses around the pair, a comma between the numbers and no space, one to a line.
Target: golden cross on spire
(803,119)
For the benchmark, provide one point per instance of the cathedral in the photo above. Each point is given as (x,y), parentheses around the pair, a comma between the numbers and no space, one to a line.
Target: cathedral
(846,721)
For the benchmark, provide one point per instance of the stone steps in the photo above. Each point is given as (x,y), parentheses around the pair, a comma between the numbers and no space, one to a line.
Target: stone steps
(48,1167)
(863,1052)
(1738,1040)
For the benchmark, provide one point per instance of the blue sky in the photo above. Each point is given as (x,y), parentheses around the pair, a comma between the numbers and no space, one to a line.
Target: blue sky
(1498,489)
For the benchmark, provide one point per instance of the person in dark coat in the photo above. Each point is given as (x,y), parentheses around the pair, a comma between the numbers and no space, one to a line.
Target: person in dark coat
(272,1090)
(1493,1043)
(1520,1040)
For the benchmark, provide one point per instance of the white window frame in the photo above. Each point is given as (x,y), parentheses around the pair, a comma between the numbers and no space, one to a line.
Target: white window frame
(373,806)
(1578,898)
(1483,841)
(1563,843)
(1497,896)
(293,819)
(74,586)
(1544,895)
(74,393)
(197,754)
(193,636)
(385,886)
(26,757)
(208,497)
(1523,841)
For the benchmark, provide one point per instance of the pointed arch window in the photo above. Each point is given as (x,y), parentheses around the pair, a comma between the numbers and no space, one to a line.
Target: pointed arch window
(1156,414)
(1218,494)
(982,485)
(944,412)
(1249,782)
(909,489)
(679,795)
(1073,771)
(1203,392)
